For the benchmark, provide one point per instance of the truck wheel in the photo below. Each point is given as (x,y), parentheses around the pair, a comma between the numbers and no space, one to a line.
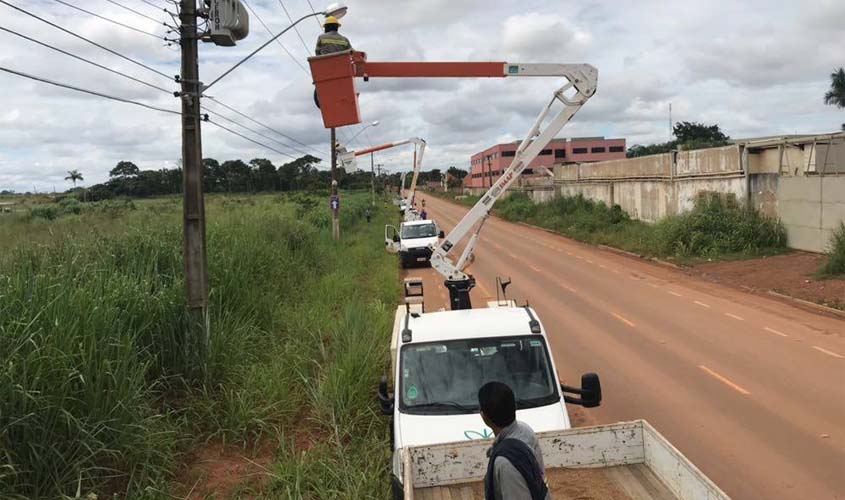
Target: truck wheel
(397,492)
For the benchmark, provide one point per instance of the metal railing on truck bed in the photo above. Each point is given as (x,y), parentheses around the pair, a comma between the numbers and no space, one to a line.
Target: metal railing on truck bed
(626,460)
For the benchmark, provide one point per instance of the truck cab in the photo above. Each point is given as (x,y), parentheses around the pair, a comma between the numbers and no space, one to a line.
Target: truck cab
(441,359)
(412,241)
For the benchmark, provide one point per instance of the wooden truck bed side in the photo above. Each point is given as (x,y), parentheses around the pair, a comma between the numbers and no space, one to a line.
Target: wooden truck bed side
(641,463)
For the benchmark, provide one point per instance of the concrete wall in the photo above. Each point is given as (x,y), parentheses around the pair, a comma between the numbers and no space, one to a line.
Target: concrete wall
(811,208)
(782,182)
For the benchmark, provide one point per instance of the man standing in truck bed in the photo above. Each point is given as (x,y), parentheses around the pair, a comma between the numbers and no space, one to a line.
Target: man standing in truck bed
(515,470)
(331,41)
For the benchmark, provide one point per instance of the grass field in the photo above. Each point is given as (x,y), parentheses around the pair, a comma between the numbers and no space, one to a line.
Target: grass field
(100,393)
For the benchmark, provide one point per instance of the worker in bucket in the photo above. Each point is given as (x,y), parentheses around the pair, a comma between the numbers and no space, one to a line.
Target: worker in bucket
(331,41)
(515,469)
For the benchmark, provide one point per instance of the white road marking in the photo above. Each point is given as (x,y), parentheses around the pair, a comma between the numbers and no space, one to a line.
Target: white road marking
(725,381)
(702,304)
(734,316)
(589,261)
(676,294)
(564,285)
(830,353)
(772,330)
(652,284)
(626,321)
(535,269)
(602,266)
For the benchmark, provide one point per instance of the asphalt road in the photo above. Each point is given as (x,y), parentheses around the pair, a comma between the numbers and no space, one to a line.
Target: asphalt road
(751,389)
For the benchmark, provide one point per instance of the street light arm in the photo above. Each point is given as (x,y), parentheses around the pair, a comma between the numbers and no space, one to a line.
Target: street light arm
(268,42)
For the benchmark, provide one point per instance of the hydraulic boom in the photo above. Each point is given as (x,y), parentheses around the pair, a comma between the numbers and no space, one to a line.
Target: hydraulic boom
(418,158)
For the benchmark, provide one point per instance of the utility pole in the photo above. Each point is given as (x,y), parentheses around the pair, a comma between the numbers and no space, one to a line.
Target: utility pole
(334,200)
(193,205)
(373,177)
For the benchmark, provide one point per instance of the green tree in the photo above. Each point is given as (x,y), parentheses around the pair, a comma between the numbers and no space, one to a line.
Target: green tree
(73,176)
(124,170)
(836,95)
(264,173)
(688,135)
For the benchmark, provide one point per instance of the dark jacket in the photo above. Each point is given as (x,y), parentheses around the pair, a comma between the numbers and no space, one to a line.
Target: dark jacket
(515,470)
(331,42)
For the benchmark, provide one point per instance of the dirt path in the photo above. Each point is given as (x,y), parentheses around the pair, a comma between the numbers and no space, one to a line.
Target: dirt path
(791,274)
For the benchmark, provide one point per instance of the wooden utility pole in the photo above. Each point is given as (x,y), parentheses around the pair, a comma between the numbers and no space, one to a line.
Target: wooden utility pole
(334,200)
(193,206)
(373,177)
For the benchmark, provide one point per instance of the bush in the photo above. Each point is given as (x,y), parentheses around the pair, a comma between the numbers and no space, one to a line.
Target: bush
(718,226)
(715,227)
(835,264)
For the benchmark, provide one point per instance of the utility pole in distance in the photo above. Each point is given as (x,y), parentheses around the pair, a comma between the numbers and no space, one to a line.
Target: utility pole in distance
(334,200)
(193,205)
(373,177)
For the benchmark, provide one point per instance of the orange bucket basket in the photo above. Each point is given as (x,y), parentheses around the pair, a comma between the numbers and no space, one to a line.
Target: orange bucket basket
(334,76)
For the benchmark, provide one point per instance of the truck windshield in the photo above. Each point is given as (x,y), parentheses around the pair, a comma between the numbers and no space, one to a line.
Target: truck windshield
(444,377)
(419,231)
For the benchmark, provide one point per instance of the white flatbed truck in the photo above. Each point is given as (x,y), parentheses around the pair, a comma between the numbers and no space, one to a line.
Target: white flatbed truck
(439,442)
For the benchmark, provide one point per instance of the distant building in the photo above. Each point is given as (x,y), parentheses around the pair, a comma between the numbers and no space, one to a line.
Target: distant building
(486,166)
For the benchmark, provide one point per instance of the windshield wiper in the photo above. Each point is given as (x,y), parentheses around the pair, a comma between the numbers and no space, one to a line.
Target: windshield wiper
(441,404)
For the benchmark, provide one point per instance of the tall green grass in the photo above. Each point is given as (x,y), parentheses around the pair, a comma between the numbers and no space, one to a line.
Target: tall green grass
(835,263)
(99,392)
(714,228)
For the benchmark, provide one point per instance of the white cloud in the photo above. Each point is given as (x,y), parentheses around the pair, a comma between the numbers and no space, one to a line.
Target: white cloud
(753,67)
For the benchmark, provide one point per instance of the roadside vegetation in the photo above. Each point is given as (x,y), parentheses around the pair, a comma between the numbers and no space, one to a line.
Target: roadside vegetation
(715,228)
(99,392)
(835,264)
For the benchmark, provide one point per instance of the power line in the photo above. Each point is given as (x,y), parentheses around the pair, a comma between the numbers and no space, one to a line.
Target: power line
(315,12)
(130,9)
(253,120)
(118,54)
(61,51)
(305,45)
(86,91)
(118,23)
(251,140)
(253,130)
(276,38)
(154,5)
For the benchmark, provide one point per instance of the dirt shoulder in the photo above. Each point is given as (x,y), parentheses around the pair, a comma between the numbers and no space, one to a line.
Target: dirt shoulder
(789,274)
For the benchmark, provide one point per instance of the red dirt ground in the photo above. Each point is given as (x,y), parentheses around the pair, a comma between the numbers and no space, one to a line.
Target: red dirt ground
(217,471)
(790,274)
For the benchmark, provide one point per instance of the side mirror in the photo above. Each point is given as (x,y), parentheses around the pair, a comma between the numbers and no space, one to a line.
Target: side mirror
(590,391)
(385,401)
(441,234)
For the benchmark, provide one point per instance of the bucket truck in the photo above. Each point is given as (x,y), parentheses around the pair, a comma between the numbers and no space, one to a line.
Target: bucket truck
(407,208)
(440,359)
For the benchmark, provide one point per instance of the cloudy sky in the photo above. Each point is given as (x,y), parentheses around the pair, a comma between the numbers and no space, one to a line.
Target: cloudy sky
(754,67)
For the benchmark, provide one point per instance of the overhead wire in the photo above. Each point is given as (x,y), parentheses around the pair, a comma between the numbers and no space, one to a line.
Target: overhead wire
(118,54)
(314,11)
(219,115)
(87,91)
(104,18)
(272,34)
(130,9)
(88,61)
(253,120)
(251,140)
(305,45)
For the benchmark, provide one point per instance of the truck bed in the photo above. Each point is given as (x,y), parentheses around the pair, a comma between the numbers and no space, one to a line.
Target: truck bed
(621,482)
(624,461)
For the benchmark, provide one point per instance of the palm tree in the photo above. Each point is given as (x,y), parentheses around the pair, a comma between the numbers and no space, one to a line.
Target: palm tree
(836,95)
(74,175)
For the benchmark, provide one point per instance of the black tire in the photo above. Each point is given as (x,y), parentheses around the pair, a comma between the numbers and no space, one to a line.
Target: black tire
(397,492)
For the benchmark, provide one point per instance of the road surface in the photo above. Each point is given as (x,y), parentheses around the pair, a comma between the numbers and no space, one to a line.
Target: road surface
(752,390)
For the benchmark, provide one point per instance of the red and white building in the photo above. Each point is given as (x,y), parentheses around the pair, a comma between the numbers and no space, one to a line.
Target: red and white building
(486,166)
